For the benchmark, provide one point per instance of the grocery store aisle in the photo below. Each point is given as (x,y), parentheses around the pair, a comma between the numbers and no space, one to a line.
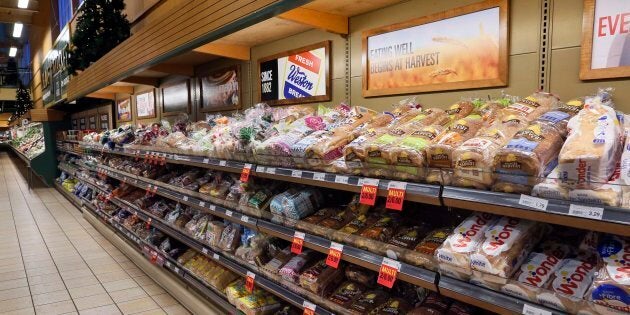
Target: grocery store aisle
(52,261)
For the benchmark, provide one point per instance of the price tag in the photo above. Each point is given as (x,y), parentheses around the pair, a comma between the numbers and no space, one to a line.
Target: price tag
(340,179)
(228,213)
(249,281)
(319,176)
(271,170)
(148,223)
(213,207)
(388,271)
(334,255)
(176,270)
(185,198)
(296,173)
(163,160)
(222,163)
(533,202)
(245,219)
(202,204)
(215,256)
(245,173)
(204,250)
(532,310)
(309,308)
(260,169)
(593,213)
(298,241)
(395,195)
(205,161)
(369,190)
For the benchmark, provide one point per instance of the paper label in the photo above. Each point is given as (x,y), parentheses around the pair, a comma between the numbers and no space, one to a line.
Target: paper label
(334,255)
(202,204)
(369,191)
(533,202)
(388,272)
(260,169)
(245,173)
(532,310)
(298,241)
(228,213)
(185,198)
(215,256)
(205,161)
(593,213)
(204,250)
(271,170)
(319,176)
(222,163)
(296,173)
(245,219)
(395,195)
(249,281)
(309,308)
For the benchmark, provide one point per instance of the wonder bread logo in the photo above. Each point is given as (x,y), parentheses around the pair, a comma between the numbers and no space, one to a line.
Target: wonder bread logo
(303,75)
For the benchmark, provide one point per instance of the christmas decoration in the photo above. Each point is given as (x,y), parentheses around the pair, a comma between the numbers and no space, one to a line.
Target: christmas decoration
(23,102)
(101,26)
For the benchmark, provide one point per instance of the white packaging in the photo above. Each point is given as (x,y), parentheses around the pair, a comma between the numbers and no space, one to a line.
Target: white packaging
(464,240)
(553,187)
(566,288)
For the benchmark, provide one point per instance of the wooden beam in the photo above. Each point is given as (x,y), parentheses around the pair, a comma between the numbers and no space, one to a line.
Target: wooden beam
(142,80)
(33,5)
(170,68)
(116,89)
(7,17)
(225,50)
(329,22)
(107,96)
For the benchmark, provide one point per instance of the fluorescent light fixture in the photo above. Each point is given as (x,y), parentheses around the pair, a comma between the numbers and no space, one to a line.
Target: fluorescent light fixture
(22,4)
(12,52)
(17,29)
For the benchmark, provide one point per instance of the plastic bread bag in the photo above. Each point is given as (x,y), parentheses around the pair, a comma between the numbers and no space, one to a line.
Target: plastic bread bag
(465,240)
(439,176)
(230,237)
(461,109)
(260,303)
(394,305)
(524,159)
(473,159)
(368,301)
(321,278)
(560,116)
(609,194)
(536,270)
(296,203)
(552,187)
(291,270)
(423,253)
(611,286)
(567,286)
(533,106)
(439,152)
(346,293)
(410,150)
(505,246)
(625,168)
(587,158)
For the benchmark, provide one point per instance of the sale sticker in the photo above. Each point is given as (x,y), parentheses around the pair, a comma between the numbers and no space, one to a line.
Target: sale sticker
(334,255)
(247,169)
(369,190)
(298,241)
(388,272)
(395,195)
(249,281)
(309,308)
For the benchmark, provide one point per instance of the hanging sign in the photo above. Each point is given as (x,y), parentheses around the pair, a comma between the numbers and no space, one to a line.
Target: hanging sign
(297,76)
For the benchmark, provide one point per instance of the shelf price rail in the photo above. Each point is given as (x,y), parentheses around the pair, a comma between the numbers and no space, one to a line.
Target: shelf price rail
(606,219)
(464,291)
(163,260)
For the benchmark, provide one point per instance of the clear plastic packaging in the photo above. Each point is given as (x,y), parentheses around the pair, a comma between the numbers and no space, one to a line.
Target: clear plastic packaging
(552,187)
(567,286)
(533,106)
(611,286)
(439,153)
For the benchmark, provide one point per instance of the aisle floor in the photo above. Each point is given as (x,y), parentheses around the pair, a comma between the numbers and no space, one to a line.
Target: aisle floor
(52,261)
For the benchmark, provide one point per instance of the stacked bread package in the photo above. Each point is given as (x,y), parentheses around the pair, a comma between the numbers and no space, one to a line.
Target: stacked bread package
(611,286)
(565,289)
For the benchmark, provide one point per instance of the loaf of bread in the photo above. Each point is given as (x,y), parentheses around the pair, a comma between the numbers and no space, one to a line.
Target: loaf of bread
(611,286)
(609,194)
(533,106)
(553,187)
(439,152)
(568,284)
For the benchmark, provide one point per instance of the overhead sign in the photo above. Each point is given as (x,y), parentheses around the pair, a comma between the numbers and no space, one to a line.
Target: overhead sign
(54,76)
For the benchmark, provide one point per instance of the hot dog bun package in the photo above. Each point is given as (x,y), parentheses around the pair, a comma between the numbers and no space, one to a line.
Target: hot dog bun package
(465,240)
(611,286)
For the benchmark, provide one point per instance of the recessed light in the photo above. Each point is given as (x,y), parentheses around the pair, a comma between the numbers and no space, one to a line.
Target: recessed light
(12,52)
(22,4)
(17,29)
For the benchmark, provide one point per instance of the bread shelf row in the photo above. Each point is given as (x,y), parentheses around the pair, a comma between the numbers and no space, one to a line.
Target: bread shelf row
(478,296)
(597,217)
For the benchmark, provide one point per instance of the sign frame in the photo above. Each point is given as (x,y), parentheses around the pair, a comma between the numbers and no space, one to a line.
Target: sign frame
(503,64)
(311,99)
(205,108)
(151,97)
(586,50)
(182,83)
(118,102)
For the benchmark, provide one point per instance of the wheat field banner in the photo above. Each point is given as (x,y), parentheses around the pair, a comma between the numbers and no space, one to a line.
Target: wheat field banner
(462,48)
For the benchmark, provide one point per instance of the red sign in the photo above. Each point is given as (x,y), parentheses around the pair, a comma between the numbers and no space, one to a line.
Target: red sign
(249,282)
(388,272)
(369,190)
(245,173)
(309,308)
(307,60)
(298,241)
(148,223)
(395,195)
(334,255)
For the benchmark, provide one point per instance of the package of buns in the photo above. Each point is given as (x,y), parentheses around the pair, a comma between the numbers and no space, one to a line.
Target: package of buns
(260,303)
(321,278)
(568,284)
(611,286)
(536,270)
(609,194)
(347,293)
(552,187)
(524,159)
(439,176)
(291,270)
(383,229)
(465,240)
(460,109)
(587,158)
(432,304)
(439,152)
(423,254)
(506,245)
(533,106)
(410,150)
(368,301)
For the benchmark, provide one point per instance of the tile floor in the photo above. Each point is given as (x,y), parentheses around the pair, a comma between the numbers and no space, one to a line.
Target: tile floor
(52,261)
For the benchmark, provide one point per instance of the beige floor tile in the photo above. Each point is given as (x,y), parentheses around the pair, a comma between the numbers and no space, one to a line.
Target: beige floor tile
(42,271)
(102,310)
(51,297)
(23,311)
(139,305)
(134,272)
(16,304)
(12,275)
(14,293)
(89,290)
(176,310)
(56,308)
(164,300)
(119,285)
(81,282)
(15,283)
(73,274)
(45,288)
(112,276)
(92,301)
(144,280)
(153,289)
(106,268)
(156,311)
(48,278)
(128,294)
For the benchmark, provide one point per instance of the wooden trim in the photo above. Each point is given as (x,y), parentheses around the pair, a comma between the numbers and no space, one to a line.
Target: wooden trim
(165,113)
(154,105)
(205,109)
(142,81)
(239,52)
(502,79)
(586,51)
(116,89)
(185,70)
(329,22)
(327,75)
(107,96)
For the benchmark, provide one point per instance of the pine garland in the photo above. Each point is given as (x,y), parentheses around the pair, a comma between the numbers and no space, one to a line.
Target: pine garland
(22,102)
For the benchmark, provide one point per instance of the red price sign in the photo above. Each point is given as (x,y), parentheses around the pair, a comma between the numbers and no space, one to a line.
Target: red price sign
(298,241)
(309,308)
(395,195)
(388,271)
(334,255)
(154,257)
(369,190)
(245,173)
(249,281)
(146,157)
(148,224)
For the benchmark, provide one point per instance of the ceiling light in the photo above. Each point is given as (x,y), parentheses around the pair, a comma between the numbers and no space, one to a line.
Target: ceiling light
(12,51)
(22,4)
(17,29)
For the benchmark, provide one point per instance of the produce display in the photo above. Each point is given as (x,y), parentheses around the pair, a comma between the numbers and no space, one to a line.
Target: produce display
(29,140)
(509,144)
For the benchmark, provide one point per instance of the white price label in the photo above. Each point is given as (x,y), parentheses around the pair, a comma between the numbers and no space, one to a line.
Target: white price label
(228,213)
(296,173)
(202,204)
(397,185)
(213,207)
(205,161)
(248,165)
(223,163)
(176,270)
(533,202)
(215,256)
(340,179)
(271,170)
(245,219)
(299,235)
(251,275)
(204,250)
(369,182)
(594,213)
(260,169)
(185,198)
(532,310)
(311,306)
(319,176)
(336,246)
(168,264)
(392,263)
